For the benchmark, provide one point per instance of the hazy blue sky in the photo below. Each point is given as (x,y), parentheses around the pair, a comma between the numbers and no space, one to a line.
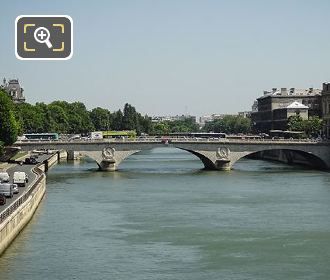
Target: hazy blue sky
(175,56)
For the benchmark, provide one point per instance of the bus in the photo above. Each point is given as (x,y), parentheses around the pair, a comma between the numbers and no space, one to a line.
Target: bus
(197,135)
(119,134)
(280,134)
(40,136)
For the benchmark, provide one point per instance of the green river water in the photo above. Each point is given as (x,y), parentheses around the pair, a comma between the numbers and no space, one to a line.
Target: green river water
(162,217)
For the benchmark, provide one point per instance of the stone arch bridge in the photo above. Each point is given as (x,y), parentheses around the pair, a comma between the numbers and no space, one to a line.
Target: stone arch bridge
(215,154)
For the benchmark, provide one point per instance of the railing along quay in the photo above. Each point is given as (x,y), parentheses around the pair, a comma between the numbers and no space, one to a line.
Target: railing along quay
(8,211)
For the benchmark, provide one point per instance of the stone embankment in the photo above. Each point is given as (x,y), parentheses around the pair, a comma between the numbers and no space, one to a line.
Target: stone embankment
(16,216)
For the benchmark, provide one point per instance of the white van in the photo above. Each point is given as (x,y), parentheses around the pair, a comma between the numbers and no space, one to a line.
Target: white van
(20,178)
(4,177)
(7,189)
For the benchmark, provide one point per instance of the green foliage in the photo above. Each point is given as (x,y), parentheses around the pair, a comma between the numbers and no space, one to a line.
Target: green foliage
(229,124)
(9,126)
(101,118)
(64,117)
(166,127)
(1,148)
(130,119)
(310,127)
(296,123)
(33,117)
(117,120)
(313,126)
(161,128)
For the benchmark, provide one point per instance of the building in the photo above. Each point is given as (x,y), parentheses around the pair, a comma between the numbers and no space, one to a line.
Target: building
(245,114)
(173,118)
(276,106)
(326,108)
(209,118)
(14,90)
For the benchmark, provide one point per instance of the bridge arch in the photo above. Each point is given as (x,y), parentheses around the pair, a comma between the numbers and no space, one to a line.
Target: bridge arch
(288,156)
(208,163)
(112,164)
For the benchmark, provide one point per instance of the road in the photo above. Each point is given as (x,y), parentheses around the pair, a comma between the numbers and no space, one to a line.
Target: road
(27,168)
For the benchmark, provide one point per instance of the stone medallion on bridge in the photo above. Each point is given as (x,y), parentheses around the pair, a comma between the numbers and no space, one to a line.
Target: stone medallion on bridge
(108,153)
(223,153)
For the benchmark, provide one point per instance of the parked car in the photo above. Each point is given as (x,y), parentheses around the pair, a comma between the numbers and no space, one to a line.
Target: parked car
(15,189)
(2,199)
(31,160)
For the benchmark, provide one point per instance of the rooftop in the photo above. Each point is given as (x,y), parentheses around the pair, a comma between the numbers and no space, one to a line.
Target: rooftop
(292,92)
(296,105)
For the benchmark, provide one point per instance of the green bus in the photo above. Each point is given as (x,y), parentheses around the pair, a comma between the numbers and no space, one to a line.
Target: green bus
(119,134)
(41,136)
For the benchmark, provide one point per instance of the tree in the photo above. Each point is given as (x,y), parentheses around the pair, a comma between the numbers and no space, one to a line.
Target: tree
(296,123)
(9,126)
(130,119)
(31,118)
(145,124)
(79,118)
(229,124)
(59,118)
(1,148)
(101,118)
(117,120)
(313,126)
(310,127)
(160,128)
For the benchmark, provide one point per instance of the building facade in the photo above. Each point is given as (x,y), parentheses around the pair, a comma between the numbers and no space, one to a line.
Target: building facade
(14,90)
(326,109)
(209,118)
(173,118)
(276,106)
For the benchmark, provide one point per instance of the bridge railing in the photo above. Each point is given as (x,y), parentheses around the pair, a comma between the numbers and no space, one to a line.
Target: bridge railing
(174,140)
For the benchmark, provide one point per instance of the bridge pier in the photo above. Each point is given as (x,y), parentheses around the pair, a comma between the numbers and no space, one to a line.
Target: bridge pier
(70,155)
(108,165)
(223,165)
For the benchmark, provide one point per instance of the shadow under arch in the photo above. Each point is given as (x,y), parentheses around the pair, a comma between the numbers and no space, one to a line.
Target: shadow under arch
(208,164)
(289,156)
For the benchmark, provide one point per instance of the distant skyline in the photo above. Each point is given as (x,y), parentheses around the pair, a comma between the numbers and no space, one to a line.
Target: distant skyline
(168,57)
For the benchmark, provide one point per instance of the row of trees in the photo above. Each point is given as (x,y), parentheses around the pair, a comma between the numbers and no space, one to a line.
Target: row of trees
(70,118)
(165,127)
(9,126)
(229,124)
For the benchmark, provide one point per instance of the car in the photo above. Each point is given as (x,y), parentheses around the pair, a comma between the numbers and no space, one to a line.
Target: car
(31,160)
(4,177)
(2,199)
(15,189)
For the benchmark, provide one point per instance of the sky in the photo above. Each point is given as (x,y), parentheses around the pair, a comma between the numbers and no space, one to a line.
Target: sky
(168,57)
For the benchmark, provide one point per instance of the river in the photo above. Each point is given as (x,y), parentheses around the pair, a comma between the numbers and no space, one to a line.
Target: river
(162,217)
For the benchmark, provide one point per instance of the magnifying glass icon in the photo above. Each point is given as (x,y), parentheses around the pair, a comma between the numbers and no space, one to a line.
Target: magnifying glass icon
(41,35)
